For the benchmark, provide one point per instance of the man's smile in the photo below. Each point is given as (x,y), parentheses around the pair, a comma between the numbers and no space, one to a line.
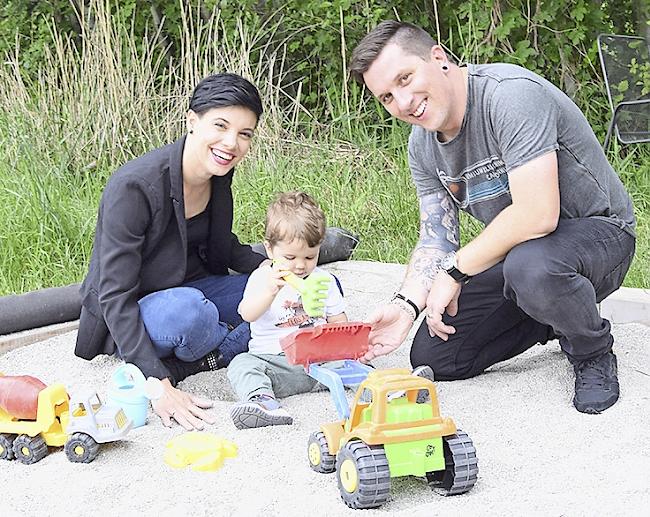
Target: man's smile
(420,110)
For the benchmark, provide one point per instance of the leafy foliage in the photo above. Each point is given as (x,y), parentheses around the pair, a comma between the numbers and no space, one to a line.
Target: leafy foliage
(553,37)
(88,84)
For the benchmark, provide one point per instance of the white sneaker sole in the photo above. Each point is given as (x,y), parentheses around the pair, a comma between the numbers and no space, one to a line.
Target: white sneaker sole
(250,416)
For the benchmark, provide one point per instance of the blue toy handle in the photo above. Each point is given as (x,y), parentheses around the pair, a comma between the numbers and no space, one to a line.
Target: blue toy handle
(351,373)
(128,376)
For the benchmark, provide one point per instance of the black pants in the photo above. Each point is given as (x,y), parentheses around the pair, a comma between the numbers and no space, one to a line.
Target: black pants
(544,289)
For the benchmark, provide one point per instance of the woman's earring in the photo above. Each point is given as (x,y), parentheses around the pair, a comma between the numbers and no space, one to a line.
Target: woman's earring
(445,67)
(191,131)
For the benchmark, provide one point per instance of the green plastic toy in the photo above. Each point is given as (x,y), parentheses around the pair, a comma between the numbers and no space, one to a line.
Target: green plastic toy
(313,291)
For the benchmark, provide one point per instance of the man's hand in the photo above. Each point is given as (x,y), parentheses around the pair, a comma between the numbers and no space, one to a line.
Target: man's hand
(187,410)
(390,325)
(442,297)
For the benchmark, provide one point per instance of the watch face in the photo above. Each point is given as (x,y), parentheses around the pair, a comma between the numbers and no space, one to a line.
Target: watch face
(448,261)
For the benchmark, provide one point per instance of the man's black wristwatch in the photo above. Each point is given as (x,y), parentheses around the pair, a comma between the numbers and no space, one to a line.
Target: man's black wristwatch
(449,265)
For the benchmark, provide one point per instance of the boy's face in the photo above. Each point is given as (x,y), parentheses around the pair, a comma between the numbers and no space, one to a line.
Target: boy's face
(295,256)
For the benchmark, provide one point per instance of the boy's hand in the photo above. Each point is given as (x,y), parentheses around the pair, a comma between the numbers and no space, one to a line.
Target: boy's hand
(275,280)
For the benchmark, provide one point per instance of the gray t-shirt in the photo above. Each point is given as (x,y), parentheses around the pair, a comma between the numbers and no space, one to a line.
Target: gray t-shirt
(513,116)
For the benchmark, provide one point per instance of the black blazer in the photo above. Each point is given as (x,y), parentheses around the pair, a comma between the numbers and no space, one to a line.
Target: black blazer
(140,247)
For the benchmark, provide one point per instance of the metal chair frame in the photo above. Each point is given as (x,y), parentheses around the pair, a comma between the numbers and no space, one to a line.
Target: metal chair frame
(613,127)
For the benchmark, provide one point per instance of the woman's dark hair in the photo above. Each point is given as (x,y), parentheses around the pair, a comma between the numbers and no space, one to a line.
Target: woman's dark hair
(222,90)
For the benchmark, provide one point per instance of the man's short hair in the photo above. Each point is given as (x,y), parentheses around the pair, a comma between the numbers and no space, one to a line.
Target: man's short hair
(408,37)
(294,215)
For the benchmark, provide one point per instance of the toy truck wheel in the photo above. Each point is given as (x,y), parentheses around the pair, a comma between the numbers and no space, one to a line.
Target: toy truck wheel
(6,444)
(461,466)
(29,450)
(319,455)
(363,475)
(81,448)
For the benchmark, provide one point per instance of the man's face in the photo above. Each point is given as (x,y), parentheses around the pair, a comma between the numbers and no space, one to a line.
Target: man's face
(412,89)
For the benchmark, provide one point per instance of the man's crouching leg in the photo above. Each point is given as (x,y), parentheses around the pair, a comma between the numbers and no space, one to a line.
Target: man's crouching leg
(558,280)
(489,329)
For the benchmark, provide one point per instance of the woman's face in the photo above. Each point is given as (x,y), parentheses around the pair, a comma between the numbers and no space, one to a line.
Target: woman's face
(219,138)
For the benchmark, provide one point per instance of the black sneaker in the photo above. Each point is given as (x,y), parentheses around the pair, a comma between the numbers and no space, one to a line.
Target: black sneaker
(596,384)
(181,369)
(425,372)
(214,361)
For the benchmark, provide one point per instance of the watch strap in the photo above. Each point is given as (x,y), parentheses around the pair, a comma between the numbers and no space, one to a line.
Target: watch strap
(458,275)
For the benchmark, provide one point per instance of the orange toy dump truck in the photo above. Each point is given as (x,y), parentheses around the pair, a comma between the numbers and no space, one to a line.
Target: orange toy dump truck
(34,416)
(393,431)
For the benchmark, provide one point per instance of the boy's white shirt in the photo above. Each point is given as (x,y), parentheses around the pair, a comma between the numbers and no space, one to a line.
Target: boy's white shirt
(286,313)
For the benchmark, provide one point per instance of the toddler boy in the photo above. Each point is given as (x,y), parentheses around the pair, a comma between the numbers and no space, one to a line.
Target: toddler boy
(295,229)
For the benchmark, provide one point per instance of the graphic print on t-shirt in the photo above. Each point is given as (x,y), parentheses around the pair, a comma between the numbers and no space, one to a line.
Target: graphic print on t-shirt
(294,315)
(481,181)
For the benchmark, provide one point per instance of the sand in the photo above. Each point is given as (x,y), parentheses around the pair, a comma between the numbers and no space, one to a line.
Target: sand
(537,455)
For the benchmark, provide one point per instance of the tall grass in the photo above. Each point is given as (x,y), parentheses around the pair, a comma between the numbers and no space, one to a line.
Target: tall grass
(113,95)
(634,169)
(96,104)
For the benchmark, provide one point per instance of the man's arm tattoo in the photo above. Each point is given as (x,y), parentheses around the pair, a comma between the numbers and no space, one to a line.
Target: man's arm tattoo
(439,234)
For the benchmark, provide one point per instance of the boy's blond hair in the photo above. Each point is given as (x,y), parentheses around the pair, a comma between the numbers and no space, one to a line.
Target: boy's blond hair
(294,215)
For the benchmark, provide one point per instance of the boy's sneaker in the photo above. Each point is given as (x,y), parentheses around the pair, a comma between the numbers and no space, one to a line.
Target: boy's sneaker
(259,411)
(596,384)
(426,372)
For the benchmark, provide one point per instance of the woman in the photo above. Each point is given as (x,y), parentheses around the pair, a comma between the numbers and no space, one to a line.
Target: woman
(158,292)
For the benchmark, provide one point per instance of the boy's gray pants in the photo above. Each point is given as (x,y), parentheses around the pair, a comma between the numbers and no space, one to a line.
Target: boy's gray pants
(268,374)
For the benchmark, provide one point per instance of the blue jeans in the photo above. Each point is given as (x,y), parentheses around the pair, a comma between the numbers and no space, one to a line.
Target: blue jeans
(545,288)
(197,318)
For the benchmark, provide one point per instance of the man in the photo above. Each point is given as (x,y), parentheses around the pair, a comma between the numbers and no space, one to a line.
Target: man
(515,152)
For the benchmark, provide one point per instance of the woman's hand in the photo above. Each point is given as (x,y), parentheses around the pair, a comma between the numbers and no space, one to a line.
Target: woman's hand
(188,410)
(390,325)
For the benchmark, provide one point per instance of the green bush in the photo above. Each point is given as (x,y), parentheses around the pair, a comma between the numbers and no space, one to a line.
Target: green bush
(555,38)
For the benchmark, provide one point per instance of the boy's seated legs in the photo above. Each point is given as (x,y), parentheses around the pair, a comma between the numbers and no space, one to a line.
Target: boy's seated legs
(257,379)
